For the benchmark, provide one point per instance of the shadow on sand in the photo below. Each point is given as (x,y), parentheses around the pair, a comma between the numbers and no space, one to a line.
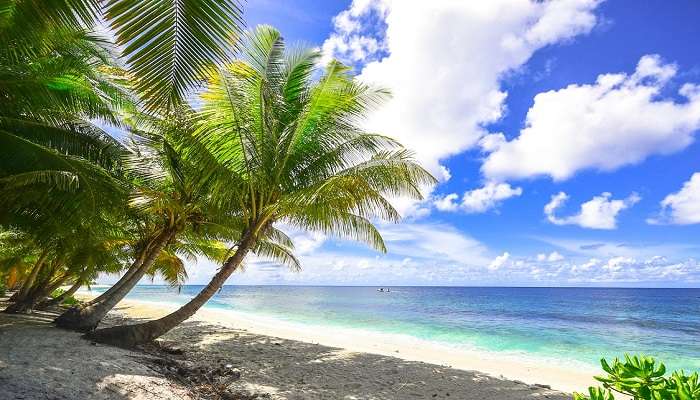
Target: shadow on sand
(287,369)
(39,361)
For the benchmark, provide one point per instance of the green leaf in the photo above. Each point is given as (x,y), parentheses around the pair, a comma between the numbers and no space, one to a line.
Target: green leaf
(171,44)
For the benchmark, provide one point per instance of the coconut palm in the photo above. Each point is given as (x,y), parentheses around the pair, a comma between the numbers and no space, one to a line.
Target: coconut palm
(58,77)
(59,260)
(166,44)
(165,200)
(49,141)
(294,151)
(172,196)
(54,75)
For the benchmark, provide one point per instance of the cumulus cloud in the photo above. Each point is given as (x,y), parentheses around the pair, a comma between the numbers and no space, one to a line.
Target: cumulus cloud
(631,270)
(445,70)
(433,241)
(478,200)
(602,249)
(598,213)
(613,270)
(499,261)
(682,207)
(619,120)
(358,33)
(552,257)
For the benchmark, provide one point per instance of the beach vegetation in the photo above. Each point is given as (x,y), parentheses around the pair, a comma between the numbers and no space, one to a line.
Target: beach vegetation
(289,146)
(64,84)
(642,377)
(65,297)
(274,140)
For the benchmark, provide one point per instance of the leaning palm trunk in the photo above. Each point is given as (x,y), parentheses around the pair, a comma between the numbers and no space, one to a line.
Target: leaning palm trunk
(60,298)
(133,269)
(38,293)
(132,335)
(21,294)
(85,319)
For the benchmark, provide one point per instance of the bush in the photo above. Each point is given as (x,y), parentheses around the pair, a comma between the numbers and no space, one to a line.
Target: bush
(2,288)
(70,300)
(640,378)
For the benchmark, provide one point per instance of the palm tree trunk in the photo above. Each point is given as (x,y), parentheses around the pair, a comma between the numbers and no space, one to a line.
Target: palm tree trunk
(59,299)
(40,292)
(129,273)
(29,282)
(132,335)
(85,319)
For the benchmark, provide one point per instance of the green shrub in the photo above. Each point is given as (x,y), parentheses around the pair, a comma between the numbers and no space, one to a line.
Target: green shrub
(70,300)
(2,287)
(641,378)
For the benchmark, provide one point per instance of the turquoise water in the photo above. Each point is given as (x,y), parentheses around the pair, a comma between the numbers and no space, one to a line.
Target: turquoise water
(581,324)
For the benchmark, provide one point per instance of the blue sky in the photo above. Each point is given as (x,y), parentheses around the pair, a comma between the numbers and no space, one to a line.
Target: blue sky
(563,134)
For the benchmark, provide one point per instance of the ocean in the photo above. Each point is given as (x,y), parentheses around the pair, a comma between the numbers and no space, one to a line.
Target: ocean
(566,324)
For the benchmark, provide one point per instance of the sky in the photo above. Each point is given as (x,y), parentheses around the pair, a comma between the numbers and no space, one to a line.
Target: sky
(563,134)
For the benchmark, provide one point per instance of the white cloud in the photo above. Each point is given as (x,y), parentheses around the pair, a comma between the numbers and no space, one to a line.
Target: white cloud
(682,207)
(499,261)
(417,253)
(552,257)
(598,213)
(600,249)
(307,242)
(444,60)
(336,266)
(353,40)
(478,200)
(619,269)
(619,120)
(439,242)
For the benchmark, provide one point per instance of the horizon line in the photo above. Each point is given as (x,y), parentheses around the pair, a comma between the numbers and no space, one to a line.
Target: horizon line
(433,286)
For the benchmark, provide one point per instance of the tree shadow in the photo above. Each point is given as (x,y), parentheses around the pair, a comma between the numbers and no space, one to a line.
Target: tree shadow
(39,361)
(288,369)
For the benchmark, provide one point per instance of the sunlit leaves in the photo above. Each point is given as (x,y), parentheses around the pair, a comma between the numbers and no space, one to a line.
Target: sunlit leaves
(169,44)
(642,378)
(294,147)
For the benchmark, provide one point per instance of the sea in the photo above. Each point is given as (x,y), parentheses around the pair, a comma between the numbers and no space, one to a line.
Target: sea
(566,324)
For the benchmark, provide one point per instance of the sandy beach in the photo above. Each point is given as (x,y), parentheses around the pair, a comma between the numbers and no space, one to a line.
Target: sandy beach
(269,359)
(573,377)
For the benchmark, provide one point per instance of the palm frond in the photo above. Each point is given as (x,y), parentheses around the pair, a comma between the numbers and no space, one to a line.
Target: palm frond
(277,253)
(61,180)
(169,45)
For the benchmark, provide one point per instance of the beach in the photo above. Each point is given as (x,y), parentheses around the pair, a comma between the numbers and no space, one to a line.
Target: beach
(268,362)
(348,344)
(236,345)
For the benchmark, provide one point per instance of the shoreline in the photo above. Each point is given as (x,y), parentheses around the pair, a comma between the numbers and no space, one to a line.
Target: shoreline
(206,359)
(532,370)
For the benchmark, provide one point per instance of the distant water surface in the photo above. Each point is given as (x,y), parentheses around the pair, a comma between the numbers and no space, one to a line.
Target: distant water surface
(581,324)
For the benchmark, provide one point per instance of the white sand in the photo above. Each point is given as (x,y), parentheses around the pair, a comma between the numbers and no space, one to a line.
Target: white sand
(559,375)
(38,361)
(275,361)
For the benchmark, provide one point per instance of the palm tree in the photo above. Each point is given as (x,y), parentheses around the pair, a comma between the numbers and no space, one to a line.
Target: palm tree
(50,99)
(294,152)
(171,197)
(167,45)
(57,77)
(70,253)
(56,74)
